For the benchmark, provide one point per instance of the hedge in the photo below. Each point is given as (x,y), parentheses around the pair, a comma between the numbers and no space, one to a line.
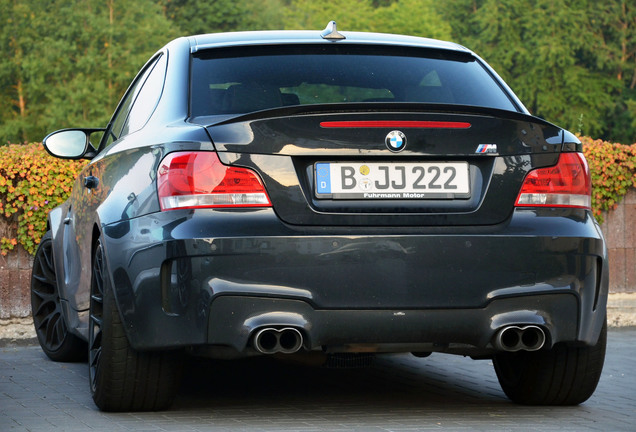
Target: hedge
(612,167)
(32,183)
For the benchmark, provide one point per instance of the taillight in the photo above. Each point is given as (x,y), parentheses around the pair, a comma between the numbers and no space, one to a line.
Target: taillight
(199,179)
(567,184)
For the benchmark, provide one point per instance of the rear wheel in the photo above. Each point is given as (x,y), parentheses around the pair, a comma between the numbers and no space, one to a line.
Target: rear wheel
(563,375)
(46,308)
(121,378)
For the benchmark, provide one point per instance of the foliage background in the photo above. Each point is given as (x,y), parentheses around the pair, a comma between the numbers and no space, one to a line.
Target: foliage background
(66,63)
(31,184)
(613,172)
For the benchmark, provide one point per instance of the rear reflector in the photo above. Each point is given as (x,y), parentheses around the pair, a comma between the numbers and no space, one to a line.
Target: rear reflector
(392,124)
(199,179)
(567,184)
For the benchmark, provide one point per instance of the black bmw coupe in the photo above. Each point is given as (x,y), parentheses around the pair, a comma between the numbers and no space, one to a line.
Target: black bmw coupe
(324,192)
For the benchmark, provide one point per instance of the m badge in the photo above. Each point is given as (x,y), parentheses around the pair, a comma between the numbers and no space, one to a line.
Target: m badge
(486,148)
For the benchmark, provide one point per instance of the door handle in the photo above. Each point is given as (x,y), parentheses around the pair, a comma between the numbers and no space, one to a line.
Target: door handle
(91,182)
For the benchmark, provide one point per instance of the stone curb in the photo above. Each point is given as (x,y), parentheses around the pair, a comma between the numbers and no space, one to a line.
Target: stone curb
(621,312)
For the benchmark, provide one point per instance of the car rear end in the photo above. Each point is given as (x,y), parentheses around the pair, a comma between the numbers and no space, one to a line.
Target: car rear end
(375,197)
(328,193)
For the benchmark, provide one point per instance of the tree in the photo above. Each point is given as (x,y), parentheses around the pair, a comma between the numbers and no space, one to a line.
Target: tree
(17,34)
(214,16)
(67,62)
(264,15)
(197,17)
(72,73)
(548,51)
(352,15)
(616,26)
(412,17)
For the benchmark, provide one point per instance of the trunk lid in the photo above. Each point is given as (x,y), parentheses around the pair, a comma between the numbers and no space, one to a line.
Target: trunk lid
(489,151)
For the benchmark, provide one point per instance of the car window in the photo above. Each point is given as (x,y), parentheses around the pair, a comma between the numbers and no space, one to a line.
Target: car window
(146,100)
(246,79)
(119,119)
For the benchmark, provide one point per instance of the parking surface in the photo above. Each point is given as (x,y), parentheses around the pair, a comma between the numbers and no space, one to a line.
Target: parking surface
(397,393)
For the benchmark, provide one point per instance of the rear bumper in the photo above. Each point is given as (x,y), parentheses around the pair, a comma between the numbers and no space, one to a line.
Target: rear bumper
(234,320)
(212,278)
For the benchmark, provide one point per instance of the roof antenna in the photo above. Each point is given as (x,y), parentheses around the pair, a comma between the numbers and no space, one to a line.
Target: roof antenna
(330,32)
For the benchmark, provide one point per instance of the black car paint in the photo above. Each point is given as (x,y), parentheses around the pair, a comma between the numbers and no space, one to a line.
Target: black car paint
(228,254)
(126,190)
(229,258)
(286,147)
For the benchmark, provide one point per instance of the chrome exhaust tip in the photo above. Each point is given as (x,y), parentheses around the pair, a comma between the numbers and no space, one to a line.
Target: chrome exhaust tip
(271,340)
(533,338)
(515,338)
(290,340)
(266,341)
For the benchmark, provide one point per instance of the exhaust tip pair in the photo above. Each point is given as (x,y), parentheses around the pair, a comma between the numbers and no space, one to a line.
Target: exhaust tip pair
(516,338)
(271,340)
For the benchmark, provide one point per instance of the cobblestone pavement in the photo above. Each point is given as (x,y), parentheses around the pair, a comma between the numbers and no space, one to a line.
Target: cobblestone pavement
(397,393)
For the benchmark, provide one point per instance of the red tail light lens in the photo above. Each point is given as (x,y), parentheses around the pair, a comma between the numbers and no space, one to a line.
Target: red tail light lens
(567,184)
(199,179)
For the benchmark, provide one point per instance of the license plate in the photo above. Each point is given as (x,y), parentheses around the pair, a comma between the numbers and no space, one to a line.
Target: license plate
(395,180)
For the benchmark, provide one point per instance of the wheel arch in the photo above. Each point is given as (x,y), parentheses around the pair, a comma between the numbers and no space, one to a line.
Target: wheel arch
(55,225)
(118,287)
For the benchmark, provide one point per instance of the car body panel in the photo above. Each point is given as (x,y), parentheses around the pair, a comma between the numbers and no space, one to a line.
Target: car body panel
(283,150)
(344,269)
(431,275)
(277,37)
(126,189)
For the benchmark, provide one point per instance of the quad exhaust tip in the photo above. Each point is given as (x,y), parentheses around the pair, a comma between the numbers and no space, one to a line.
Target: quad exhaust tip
(271,340)
(516,338)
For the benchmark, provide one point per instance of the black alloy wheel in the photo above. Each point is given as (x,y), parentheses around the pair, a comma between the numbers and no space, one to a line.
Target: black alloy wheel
(48,317)
(95,316)
(121,378)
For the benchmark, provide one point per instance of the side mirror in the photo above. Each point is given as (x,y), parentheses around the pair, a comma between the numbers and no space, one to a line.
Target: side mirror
(70,143)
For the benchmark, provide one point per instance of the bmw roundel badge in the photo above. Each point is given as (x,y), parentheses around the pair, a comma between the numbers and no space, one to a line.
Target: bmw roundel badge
(395,141)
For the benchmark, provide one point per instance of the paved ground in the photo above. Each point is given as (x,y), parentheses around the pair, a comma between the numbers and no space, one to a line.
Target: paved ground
(398,393)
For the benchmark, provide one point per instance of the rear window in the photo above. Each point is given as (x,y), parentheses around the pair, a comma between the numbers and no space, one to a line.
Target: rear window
(247,79)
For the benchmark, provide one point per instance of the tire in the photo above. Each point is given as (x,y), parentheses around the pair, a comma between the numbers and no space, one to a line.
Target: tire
(563,375)
(121,378)
(46,309)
